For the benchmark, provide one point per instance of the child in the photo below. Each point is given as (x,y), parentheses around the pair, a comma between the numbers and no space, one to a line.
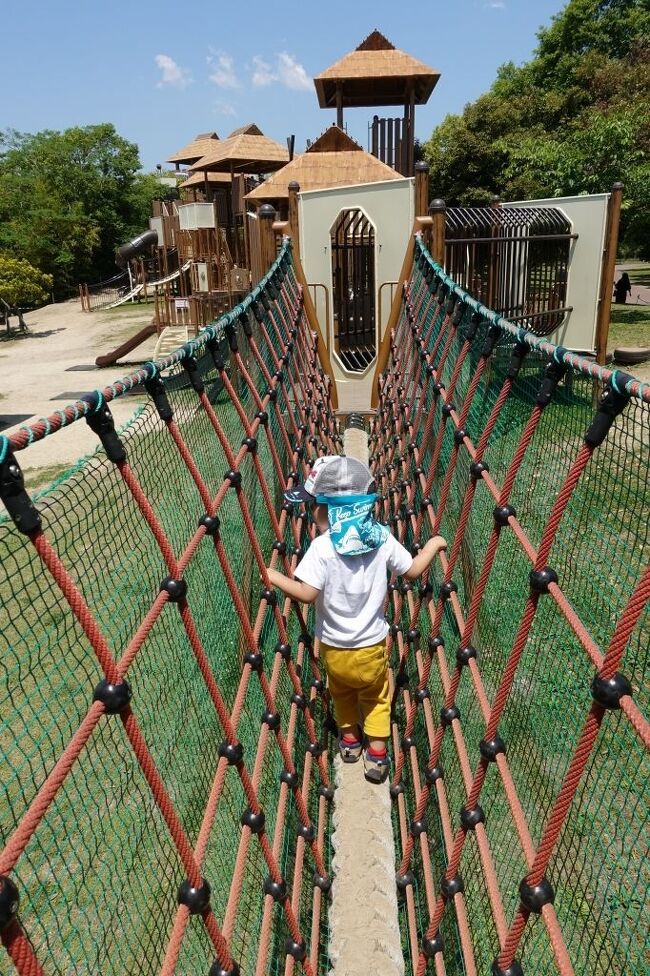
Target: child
(344,573)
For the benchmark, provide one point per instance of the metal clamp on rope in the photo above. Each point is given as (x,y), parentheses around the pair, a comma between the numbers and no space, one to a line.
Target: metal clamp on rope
(612,402)
(231,336)
(245,322)
(191,367)
(16,500)
(214,347)
(101,422)
(156,390)
(491,339)
(552,376)
(519,353)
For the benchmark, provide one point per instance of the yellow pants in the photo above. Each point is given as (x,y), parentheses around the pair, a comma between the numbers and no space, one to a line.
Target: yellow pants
(358,683)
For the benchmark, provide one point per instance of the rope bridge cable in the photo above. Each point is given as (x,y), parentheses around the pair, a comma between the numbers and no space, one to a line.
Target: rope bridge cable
(518,662)
(120,818)
(516,768)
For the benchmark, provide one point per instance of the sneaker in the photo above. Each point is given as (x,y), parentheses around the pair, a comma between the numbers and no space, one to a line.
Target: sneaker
(376,767)
(350,750)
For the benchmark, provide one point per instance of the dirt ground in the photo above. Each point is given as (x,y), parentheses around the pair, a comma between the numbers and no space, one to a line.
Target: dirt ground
(52,364)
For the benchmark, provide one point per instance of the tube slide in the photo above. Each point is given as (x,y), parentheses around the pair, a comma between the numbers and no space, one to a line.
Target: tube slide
(132,248)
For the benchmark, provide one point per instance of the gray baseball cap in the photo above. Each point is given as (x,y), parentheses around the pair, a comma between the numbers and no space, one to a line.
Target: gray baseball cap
(343,476)
(306,492)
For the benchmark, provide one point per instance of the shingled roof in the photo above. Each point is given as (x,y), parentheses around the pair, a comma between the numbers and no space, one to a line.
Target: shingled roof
(333,160)
(200,145)
(375,73)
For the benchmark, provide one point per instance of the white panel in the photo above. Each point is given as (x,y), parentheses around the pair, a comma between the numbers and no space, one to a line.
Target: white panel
(588,218)
(156,223)
(192,216)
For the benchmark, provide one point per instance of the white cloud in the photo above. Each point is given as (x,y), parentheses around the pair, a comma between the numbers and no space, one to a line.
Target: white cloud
(286,70)
(224,108)
(223,73)
(292,74)
(495,5)
(263,74)
(172,73)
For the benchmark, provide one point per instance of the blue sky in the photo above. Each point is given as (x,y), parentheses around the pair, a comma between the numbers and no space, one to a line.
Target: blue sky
(165,71)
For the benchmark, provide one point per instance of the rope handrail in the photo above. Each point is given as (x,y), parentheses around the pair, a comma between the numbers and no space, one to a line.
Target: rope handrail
(619,379)
(26,435)
(442,411)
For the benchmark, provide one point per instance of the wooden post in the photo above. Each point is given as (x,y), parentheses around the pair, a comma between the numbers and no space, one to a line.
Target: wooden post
(339,106)
(393,318)
(437,210)
(314,325)
(411,152)
(294,227)
(268,252)
(607,271)
(421,189)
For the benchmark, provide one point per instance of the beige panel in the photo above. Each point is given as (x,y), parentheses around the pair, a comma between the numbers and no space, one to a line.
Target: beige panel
(588,218)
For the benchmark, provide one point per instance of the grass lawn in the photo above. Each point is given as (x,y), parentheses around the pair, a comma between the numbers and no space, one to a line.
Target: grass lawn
(639,274)
(130,308)
(630,326)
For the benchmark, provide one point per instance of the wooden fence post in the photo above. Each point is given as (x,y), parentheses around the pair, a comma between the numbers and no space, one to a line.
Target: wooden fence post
(421,188)
(294,190)
(268,251)
(607,271)
(437,210)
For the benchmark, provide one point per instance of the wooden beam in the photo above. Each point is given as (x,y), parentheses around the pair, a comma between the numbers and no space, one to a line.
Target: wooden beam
(393,318)
(437,210)
(312,319)
(294,190)
(268,250)
(607,272)
(339,105)
(421,189)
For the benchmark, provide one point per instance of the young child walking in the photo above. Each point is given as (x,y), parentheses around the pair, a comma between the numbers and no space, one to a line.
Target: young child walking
(344,572)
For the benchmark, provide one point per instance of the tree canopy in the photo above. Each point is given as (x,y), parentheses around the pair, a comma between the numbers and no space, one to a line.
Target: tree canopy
(574,119)
(21,284)
(68,199)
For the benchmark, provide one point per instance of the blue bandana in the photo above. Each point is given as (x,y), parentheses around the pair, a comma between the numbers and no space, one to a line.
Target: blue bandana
(353,530)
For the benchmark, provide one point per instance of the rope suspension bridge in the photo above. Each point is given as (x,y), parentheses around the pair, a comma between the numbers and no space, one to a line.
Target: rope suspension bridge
(167,786)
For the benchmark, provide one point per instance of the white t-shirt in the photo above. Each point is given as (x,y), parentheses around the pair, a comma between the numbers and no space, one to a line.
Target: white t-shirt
(350,604)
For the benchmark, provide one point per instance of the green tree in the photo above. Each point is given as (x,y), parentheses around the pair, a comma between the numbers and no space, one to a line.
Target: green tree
(574,119)
(68,199)
(21,284)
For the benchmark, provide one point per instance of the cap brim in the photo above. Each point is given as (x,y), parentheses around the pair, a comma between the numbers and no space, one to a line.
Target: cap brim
(298,494)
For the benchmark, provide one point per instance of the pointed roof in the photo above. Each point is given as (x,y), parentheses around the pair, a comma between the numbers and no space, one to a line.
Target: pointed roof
(333,160)
(246,130)
(200,145)
(375,73)
(198,180)
(245,151)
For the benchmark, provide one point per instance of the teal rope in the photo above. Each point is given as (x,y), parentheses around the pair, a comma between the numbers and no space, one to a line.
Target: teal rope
(632,387)
(213,331)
